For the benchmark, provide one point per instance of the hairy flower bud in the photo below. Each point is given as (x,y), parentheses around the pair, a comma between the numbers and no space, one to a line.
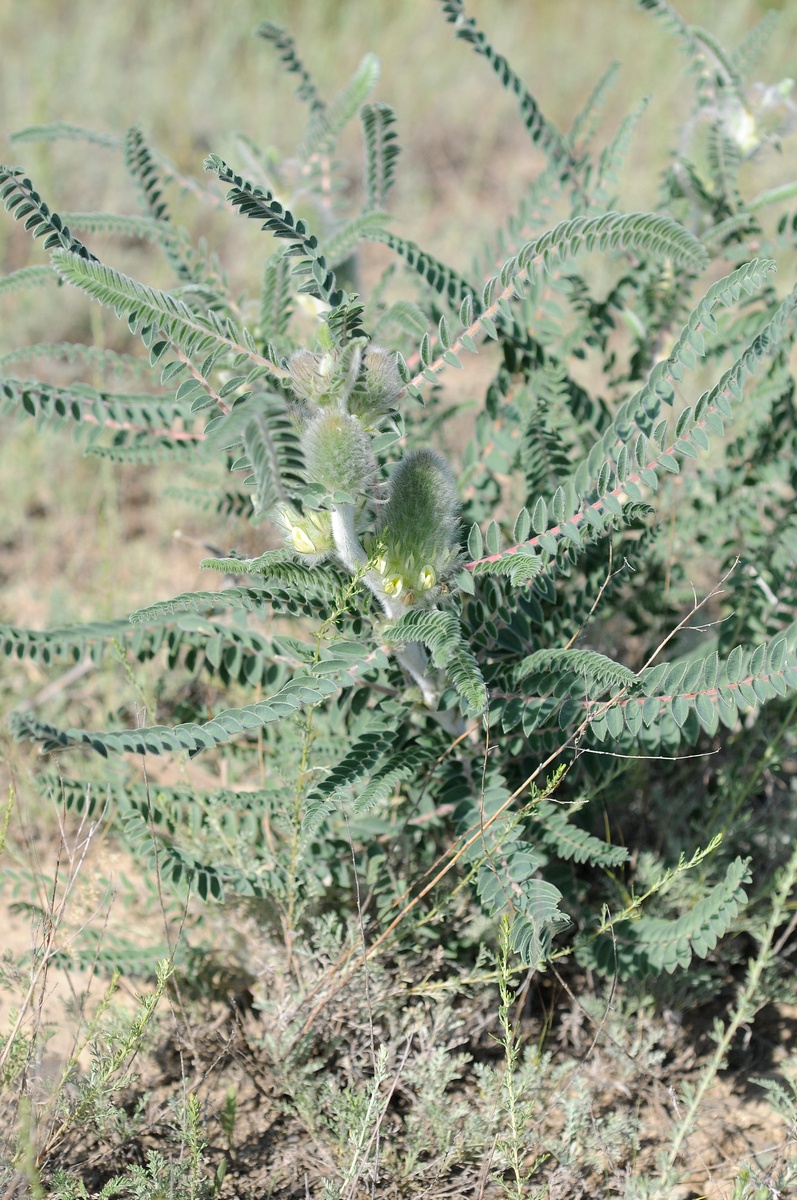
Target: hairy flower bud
(766,115)
(311,375)
(328,379)
(337,453)
(419,541)
(378,385)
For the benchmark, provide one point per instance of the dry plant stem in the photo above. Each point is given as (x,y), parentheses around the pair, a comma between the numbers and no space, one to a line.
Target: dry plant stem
(56,686)
(511,1042)
(79,1045)
(55,917)
(682,624)
(600,1031)
(56,913)
(746,1008)
(12,797)
(476,831)
(609,577)
(261,766)
(81,1002)
(747,787)
(785,936)
(27,1158)
(290,912)
(187,1027)
(361,927)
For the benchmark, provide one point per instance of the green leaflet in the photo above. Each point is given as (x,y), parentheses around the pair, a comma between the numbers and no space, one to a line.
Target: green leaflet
(26,277)
(251,598)
(442,279)
(369,758)
(381,151)
(569,842)
(541,131)
(148,310)
(650,945)
(260,205)
(25,204)
(193,737)
(284,43)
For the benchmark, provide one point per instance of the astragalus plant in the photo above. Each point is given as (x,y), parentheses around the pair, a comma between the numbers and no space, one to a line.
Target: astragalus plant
(501,668)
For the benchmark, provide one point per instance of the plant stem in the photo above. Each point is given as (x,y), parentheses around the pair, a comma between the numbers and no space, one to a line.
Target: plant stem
(297,824)
(412,657)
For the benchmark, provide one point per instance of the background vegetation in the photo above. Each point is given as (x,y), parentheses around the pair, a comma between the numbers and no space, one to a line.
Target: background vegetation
(202,1077)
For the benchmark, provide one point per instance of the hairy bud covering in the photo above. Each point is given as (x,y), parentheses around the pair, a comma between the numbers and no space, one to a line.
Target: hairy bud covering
(419,540)
(312,375)
(357,378)
(378,385)
(337,453)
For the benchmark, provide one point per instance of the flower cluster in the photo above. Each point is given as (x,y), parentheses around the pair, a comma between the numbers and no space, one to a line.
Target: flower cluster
(360,378)
(418,542)
(767,115)
(337,454)
(344,393)
(308,532)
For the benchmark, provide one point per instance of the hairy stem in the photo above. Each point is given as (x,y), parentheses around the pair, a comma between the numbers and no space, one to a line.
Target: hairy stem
(412,657)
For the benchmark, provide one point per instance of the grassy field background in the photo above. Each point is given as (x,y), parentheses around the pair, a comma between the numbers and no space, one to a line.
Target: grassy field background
(85,539)
(193,76)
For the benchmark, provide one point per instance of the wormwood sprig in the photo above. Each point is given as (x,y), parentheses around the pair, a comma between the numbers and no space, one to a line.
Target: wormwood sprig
(184,1176)
(516,1115)
(359,1115)
(111,1070)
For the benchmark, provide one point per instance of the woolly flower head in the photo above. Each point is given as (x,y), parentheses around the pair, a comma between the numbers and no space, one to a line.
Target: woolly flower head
(419,540)
(766,115)
(358,378)
(378,384)
(313,377)
(337,453)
